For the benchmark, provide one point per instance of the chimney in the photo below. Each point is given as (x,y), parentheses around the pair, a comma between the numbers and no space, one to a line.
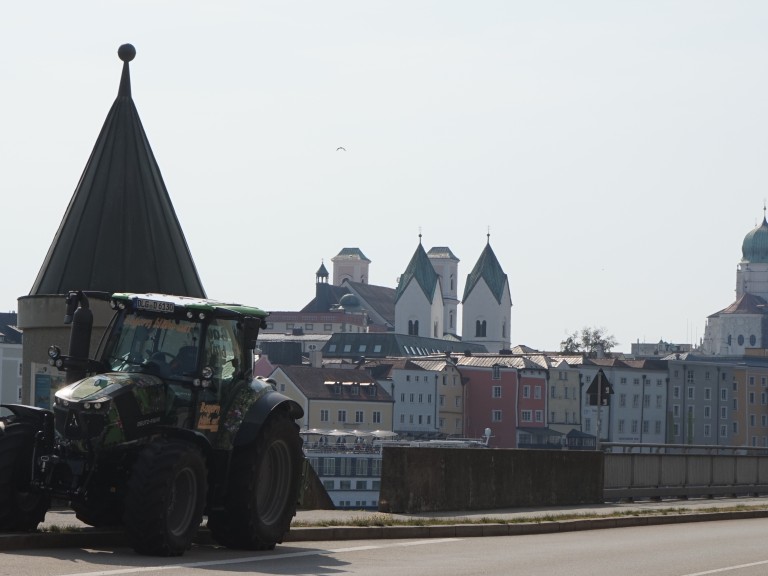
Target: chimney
(316,358)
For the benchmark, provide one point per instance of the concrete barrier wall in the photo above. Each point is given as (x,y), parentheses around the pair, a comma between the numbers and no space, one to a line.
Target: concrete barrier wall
(451,479)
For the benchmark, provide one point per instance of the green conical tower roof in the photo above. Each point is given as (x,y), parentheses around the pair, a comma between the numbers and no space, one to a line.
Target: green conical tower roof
(419,268)
(489,269)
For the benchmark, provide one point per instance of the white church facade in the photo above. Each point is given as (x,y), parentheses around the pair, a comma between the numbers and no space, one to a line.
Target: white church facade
(744,323)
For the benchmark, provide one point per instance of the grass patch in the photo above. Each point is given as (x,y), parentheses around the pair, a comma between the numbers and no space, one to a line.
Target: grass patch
(379,519)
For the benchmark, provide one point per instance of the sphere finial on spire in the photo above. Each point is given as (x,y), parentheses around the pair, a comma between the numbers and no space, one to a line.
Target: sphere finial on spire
(126,52)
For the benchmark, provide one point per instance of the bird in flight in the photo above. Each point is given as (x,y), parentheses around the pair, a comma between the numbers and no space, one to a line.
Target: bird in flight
(341,148)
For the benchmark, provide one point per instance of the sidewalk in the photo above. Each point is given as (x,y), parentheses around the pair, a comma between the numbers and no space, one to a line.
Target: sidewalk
(62,529)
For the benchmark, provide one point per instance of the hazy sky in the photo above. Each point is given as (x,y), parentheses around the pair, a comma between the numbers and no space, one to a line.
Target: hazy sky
(617,150)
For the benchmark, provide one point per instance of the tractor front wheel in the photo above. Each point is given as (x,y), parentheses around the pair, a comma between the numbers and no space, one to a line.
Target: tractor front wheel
(165,498)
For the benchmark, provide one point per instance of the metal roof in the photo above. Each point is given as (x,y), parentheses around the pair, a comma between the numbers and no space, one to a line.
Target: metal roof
(120,232)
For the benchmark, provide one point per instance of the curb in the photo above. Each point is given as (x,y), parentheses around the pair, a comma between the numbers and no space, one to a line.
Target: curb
(93,537)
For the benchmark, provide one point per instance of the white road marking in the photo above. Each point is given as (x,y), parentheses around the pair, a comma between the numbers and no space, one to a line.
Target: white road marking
(262,558)
(728,568)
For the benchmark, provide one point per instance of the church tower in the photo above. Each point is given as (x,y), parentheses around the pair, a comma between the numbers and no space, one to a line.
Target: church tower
(743,324)
(487,304)
(446,265)
(419,298)
(350,264)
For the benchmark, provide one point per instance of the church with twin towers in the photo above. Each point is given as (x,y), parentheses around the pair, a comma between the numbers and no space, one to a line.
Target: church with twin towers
(426,302)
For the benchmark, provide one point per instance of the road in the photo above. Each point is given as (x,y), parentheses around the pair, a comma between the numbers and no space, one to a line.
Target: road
(733,548)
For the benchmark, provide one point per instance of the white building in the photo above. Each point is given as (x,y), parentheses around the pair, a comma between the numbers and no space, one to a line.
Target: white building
(487,304)
(743,324)
(419,309)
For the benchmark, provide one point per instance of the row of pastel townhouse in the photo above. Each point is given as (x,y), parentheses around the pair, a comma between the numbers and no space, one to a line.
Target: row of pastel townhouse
(541,400)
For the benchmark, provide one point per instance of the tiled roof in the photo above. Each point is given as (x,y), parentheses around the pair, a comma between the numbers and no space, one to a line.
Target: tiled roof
(378,299)
(420,269)
(352,254)
(746,304)
(386,344)
(489,269)
(11,334)
(120,232)
(442,252)
(318,383)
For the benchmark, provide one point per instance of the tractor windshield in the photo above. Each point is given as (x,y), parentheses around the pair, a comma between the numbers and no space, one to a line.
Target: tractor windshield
(166,347)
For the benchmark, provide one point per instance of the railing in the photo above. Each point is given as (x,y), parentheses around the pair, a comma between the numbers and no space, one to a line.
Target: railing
(656,471)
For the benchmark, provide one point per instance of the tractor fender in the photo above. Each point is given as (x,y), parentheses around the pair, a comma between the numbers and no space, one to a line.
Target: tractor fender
(258,413)
(31,414)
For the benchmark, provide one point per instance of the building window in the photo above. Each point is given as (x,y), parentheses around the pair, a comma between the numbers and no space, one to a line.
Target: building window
(552,393)
(458,401)
(676,430)
(327,327)
(635,400)
(689,376)
(659,400)
(724,431)
(539,415)
(751,397)
(646,426)
(707,430)
(496,373)
(723,412)
(657,427)
(723,394)
(621,426)
(622,400)
(496,416)
(402,418)
(329,466)
(735,427)
(342,416)
(741,340)
(537,392)
(309,326)
(676,410)
(442,399)
(622,381)
(411,397)
(355,390)
(526,391)
(525,415)
(480,328)
(496,392)
(646,401)
(691,393)
(324,417)
(706,375)
(359,417)
(421,398)
(707,412)
(676,392)
(413,327)
(634,426)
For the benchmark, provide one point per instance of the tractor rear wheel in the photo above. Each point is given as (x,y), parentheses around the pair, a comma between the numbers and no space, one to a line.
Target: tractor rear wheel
(263,493)
(21,508)
(165,498)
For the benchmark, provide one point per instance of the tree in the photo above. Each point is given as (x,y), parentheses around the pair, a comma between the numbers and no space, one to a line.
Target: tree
(589,341)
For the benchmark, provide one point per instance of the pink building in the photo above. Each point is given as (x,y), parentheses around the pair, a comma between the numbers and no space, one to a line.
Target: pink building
(490,399)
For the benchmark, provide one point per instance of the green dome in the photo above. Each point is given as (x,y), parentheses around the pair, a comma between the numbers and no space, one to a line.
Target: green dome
(755,246)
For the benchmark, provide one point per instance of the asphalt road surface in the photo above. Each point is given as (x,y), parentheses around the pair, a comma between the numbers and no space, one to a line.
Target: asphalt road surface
(731,548)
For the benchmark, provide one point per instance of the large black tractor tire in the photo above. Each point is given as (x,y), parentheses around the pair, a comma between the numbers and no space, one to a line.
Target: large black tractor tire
(165,497)
(21,509)
(263,490)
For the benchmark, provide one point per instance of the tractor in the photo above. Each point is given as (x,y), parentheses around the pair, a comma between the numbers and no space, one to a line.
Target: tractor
(165,426)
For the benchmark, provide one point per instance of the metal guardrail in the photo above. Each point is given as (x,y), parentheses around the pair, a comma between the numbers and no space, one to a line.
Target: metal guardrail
(656,471)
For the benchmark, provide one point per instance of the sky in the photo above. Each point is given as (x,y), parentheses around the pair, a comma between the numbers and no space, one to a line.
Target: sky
(616,151)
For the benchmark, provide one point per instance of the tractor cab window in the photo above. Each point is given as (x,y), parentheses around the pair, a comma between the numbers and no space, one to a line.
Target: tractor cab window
(224,351)
(150,344)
